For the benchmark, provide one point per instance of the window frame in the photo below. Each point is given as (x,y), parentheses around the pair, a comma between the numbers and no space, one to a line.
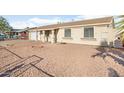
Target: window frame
(65,33)
(90,34)
(41,32)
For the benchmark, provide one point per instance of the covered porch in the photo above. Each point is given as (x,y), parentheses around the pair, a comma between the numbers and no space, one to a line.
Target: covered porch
(47,35)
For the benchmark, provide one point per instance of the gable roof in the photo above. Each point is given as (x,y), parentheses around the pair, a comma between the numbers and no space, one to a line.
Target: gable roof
(98,21)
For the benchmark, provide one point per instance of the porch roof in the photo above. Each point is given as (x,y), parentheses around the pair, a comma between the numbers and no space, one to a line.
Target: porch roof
(97,21)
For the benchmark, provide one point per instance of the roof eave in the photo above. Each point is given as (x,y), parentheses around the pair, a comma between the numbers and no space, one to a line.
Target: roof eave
(73,26)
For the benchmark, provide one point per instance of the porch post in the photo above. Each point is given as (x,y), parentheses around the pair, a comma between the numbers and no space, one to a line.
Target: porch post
(37,35)
(52,37)
(43,36)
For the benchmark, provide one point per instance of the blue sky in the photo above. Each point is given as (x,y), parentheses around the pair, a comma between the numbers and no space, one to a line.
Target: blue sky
(23,21)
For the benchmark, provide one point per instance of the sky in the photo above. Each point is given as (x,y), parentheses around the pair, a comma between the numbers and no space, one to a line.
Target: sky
(23,21)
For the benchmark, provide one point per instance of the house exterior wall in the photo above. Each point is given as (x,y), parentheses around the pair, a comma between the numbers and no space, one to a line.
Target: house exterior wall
(39,36)
(24,35)
(33,35)
(101,33)
(77,35)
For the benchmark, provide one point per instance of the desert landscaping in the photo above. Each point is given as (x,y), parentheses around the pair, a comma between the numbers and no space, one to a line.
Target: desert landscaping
(26,58)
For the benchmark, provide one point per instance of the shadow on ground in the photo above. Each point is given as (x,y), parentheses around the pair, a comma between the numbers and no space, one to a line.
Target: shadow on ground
(112,72)
(20,66)
(116,54)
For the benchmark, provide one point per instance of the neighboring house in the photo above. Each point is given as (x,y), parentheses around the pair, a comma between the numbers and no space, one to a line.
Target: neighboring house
(19,33)
(99,31)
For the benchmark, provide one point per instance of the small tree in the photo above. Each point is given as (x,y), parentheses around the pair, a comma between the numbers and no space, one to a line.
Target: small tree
(4,25)
(120,26)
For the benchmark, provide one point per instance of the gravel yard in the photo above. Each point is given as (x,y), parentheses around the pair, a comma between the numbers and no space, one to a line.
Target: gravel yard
(29,58)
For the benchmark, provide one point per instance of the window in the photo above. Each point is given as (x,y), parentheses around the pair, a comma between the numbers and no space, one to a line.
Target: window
(88,32)
(67,33)
(108,25)
(41,32)
(16,33)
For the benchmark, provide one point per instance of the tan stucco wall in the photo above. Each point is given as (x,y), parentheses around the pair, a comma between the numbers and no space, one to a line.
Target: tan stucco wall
(100,30)
(77,35)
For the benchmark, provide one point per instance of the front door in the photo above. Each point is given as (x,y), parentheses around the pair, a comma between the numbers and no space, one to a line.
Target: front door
(56,32)
(47,34)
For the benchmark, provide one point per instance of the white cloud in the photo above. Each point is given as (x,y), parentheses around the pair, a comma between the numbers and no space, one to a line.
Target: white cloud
(79,17)
(89,16)
(33,22)
(22,24)
(44,21)
(94,16)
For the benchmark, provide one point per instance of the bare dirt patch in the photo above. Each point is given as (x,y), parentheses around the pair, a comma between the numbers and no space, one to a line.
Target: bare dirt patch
(61,59)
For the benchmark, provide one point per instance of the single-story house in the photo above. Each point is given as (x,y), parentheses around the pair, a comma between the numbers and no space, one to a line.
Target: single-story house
(99,31)
(21,33)
(18,33)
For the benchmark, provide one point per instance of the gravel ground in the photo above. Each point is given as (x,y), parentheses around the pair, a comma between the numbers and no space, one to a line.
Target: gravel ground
(62,60)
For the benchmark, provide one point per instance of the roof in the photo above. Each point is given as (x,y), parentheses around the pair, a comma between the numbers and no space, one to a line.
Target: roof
(98,21)
(19,30)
